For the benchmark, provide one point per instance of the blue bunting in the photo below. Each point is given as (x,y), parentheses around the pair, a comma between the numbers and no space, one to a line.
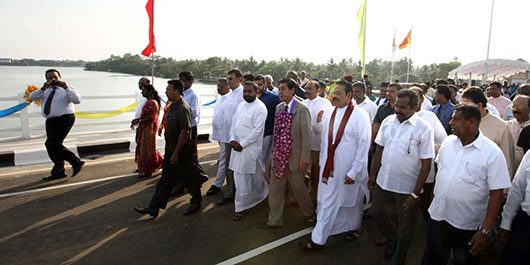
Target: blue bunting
(11,110)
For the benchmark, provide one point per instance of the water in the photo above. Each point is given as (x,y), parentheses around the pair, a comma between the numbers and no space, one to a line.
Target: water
(15,79)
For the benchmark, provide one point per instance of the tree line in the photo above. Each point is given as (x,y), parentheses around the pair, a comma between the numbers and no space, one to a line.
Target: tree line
(46,62)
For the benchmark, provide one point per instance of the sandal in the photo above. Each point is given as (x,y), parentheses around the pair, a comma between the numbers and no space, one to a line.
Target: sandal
(239,216)
(310,219)
(352,235)
(310,245)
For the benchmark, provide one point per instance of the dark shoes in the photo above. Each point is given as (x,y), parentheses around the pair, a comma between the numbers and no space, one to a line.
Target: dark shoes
(224,201)
(193,208)
(54,177)
(77,167)
(213,190)
(147,210)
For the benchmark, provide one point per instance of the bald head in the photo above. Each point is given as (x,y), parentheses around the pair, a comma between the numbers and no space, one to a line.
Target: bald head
(143,81)
(521,108)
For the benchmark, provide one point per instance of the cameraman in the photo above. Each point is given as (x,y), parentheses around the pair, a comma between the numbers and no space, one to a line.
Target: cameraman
(58,101)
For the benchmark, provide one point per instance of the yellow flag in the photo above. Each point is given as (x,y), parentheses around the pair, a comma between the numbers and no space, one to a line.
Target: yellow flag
(361,17)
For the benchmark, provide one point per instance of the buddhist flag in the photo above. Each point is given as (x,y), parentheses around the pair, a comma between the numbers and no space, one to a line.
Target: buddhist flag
(361,17)
(150,12)
(406,42)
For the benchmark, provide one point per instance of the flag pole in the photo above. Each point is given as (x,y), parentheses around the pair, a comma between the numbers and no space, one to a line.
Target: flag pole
(410,47)
(153,66)
(485,78)
(393,52)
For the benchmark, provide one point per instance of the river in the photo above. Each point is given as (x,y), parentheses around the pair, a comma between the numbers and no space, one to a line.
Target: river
(15,79)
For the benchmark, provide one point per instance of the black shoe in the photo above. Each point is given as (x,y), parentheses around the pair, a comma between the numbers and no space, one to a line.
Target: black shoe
(77,167)
(224,201)
(147,210)
(193,208)
(54,177)
(213,190)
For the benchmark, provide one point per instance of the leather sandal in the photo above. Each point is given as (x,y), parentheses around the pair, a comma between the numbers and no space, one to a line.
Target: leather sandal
(310,245)
(239,216)
(352,235)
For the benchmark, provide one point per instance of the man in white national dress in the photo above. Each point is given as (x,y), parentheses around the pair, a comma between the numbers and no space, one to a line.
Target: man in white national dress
(246,140)
(346,135)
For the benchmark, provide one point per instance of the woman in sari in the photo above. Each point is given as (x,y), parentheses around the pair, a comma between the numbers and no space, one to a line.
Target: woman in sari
(147,158)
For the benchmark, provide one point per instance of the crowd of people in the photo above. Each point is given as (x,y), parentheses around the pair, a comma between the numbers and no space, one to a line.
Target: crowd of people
(452,154)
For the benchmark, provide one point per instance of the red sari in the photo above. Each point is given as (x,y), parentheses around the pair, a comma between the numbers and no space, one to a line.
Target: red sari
(147,158)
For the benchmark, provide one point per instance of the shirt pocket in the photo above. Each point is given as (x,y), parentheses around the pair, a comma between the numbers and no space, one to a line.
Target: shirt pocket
(472,172)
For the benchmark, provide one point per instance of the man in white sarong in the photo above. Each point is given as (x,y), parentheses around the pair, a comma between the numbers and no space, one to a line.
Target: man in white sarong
(344,171)
(246,140)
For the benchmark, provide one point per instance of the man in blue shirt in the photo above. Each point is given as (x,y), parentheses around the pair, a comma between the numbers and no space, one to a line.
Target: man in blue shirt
(445,108)
(270,100)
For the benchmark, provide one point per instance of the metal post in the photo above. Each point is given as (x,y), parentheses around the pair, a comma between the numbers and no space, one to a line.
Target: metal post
(153,66)
(485,78)
(24,118)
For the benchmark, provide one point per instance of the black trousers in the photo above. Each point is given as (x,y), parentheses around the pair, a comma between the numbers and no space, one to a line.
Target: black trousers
(443,238)
(57,129)
(517,250)
(188,171)
(179,184)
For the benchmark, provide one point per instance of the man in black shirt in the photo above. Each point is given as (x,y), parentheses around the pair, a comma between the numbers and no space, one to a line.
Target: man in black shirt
(179,159)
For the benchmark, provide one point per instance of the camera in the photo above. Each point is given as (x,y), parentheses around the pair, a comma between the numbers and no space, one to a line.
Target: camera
(54,83)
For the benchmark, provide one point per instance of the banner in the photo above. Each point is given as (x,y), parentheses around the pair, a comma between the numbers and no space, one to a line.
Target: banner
(11,110)
(361,17)
(150,7)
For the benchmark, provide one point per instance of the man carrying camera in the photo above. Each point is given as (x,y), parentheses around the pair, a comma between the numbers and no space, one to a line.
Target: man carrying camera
(58,101)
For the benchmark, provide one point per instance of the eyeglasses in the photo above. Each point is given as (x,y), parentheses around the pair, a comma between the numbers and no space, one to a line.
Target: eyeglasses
(230,78)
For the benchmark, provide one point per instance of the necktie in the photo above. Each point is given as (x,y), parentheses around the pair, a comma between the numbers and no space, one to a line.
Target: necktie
(48,105)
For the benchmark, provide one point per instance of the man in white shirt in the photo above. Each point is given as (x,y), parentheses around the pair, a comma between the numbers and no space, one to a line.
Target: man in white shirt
(361,100)
(382,94)
(246,140)
(303,79)
(346,136)
(523,90)
(492,126)
(521,111)
(58,99)
(317,106)
(236,96)
(497,99)
(468,191)
(401,164)
(220,133)
(439,136)
(515,225)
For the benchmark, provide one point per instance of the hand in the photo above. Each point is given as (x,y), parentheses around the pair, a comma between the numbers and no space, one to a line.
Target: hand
(410,203)
(319,116)
(135,121)
(503,236)
(62,84)
(302,167)
(160,131)
(348,180)
(236,146)
(45,86)
(371,183)
(479,242)
(174,160)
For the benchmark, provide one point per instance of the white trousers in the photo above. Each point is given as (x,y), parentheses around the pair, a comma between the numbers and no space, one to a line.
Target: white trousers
(336,220)
(220,178)
(251,189)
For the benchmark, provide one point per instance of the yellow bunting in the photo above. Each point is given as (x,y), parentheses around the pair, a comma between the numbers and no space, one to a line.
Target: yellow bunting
(86,115)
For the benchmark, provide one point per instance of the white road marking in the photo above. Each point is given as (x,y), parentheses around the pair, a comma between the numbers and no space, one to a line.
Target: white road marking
(272,245)
(88,163)
(78,183)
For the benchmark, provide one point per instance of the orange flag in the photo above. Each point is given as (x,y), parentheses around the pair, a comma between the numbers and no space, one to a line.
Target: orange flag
(405,43)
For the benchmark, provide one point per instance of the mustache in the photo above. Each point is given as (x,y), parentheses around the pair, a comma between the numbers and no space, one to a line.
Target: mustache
(399,113)
(336,99)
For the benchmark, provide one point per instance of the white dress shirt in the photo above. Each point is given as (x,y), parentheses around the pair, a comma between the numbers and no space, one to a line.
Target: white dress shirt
(426,105)
(234,98)
(195,104)
(405,144)
(466,175)
(369,106)
(519,194)
(62,102)
(493,110)
(141,102)
(220,132)
(501,103)
(439,135)
(315,106)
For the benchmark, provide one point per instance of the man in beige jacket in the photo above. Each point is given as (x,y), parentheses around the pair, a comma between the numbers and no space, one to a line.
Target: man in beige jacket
(292,137)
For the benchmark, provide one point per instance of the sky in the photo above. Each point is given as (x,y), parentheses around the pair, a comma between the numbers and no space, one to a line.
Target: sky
(311,30)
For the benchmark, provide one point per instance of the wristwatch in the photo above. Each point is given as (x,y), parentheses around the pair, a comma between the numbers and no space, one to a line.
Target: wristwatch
(486,232)
(414,196)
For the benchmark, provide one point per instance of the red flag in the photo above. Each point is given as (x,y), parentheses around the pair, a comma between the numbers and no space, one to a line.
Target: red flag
(405,43)
(150,12)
